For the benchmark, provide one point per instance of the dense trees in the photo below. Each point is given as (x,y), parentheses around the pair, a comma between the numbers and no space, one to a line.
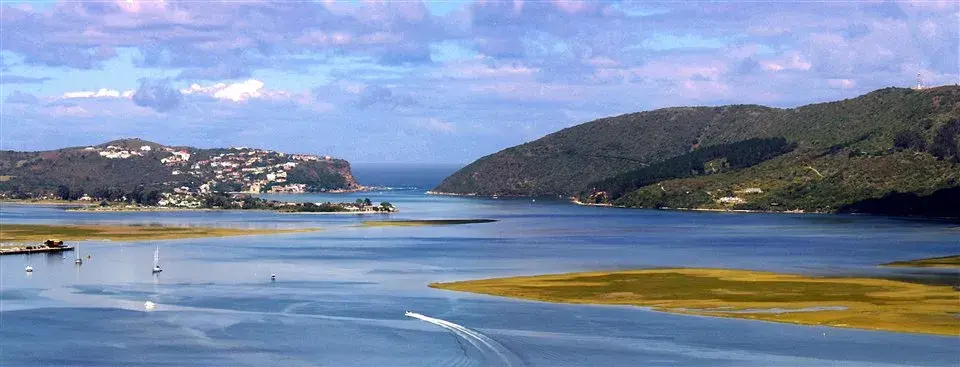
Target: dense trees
(709,160)
(315,208)
(941,203)
(63,192)
(218,201)
(317,177)
(910,139)
(945,145)
(570,160)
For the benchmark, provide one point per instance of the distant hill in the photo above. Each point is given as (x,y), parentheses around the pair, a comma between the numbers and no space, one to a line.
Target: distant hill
(121,167)
(829,155)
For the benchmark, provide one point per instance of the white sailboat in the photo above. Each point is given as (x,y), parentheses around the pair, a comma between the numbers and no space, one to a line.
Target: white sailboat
(156,260)
(78,261)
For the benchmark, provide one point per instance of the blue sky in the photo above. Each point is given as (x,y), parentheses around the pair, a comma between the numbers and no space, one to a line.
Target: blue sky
(434,81)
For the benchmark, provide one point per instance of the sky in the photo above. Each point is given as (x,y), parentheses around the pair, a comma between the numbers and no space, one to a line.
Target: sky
(434,81)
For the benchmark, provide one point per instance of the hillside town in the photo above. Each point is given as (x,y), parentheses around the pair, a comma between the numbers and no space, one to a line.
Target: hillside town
(254,170)
(235,169)
(135,174)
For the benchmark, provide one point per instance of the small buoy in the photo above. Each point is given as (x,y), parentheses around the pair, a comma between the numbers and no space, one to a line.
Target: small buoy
(29,269)
(149,305)
(273,277)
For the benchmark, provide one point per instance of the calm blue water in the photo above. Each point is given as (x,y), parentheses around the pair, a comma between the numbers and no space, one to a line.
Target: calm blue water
(341,293)
(419,176)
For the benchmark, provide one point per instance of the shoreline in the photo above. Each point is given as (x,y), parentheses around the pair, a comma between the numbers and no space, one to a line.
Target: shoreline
(151,209)
(721,210)
(337,213)
(42,202)
(26,233)
(795,211)
(442,193)
(857,303)
(162,209)
(939,262)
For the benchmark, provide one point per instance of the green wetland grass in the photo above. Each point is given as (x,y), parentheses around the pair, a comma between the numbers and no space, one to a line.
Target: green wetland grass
(863,303)
(41,232)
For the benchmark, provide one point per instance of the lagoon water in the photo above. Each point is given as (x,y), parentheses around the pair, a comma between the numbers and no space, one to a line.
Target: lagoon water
(341,294)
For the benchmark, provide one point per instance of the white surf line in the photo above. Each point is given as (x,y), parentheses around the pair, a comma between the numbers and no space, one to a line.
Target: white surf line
(508,358)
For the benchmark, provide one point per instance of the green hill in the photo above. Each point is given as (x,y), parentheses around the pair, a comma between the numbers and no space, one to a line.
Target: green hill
(128,167)
(833,155)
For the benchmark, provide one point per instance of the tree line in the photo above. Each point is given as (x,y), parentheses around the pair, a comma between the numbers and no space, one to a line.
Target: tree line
(943,146)
(712,159)
(139,195)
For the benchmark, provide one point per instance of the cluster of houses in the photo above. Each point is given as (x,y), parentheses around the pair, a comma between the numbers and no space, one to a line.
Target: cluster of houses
(180,199)
(115,152)
(176,157)
(289,189)
(240,168)
(254,169)
(733,200)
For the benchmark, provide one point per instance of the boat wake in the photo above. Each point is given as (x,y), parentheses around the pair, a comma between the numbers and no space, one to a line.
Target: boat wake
(485,344)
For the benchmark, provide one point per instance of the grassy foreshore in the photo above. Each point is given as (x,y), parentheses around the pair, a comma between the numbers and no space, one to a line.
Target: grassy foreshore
(43,202)
(41,232)
(427,222)
(863,303)
(116,209)
(97,209)
(933,262)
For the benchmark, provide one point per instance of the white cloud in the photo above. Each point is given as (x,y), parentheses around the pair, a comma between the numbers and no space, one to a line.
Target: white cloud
(236,92)
(100,93)
(240,91)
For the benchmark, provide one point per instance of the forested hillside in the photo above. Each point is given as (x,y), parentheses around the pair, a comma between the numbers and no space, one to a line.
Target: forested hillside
(819,157)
